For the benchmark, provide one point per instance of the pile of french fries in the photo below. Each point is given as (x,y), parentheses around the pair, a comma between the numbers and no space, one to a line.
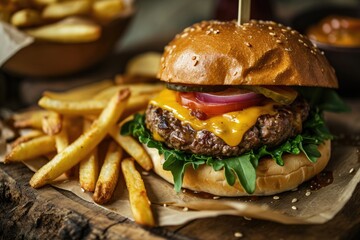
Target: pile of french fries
(67,21)
(78,131)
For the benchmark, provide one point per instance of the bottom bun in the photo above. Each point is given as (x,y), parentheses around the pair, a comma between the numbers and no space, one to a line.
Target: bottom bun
(270,177)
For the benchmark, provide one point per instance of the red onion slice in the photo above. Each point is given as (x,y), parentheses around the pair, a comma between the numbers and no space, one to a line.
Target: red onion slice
(227,96)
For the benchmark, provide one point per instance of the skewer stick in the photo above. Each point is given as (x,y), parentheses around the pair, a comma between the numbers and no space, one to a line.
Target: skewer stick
(244,11)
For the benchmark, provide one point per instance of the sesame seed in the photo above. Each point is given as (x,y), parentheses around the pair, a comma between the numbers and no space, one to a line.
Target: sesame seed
(288,49)
(247,218)
(284,30)
(306,45)
(184,35)
(145,173)
(300,40)
(164,205)
(288,28)
(294,200)
(185,209)
(322,52)
(248,44)
(313,52)
(293,32)
(308,193)
(278,41)
(293,207)
(196,62)
(351,170)
(216,197)
(184,190)
(238,234)
(270,28)
(272,33)
(276,197)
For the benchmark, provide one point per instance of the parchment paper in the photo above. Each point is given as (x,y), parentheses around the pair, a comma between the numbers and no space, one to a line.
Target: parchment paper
(300,206)
(11,41)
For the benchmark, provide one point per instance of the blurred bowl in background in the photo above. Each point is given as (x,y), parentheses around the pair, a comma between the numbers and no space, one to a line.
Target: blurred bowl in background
(344,59)
(51,59)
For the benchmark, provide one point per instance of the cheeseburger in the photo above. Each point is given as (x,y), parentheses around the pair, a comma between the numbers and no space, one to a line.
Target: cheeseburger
(242,111)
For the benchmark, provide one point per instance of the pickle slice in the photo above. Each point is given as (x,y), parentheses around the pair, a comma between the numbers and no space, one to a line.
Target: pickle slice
(195,88)
(281,94)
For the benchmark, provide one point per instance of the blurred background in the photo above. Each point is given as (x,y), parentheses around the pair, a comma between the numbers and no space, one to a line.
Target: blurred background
(153,25)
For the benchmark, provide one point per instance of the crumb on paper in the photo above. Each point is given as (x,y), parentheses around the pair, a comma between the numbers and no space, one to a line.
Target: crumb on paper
(294,200)
(276,197)
(238,234)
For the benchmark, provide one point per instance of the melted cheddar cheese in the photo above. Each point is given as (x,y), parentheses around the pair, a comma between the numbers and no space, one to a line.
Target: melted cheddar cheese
(230,127)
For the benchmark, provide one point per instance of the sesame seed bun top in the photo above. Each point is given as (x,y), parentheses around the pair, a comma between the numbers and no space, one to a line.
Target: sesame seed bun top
(254,53)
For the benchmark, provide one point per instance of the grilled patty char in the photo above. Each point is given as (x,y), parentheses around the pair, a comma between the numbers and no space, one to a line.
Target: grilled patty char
(269,130)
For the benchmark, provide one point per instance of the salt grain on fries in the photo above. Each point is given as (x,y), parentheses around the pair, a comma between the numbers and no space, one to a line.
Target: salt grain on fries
(82,146)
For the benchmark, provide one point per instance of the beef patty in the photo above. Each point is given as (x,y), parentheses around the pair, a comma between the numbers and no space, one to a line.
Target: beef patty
(269,130)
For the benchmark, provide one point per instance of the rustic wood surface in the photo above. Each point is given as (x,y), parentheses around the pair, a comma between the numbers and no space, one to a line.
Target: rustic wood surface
(49,213)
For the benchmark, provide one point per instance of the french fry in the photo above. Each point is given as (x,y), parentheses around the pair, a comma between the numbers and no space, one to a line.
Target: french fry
(85,107)
(132,147)
(106,10)
(82,92)
(136,89)
(28,136)
(61,10)
(31,149)
(121,79)
(82,146)
(146,64)
(41,3)
(71,30)
(89,167)
(26,18)
(29,119)
(139,201)
(51,123)
(109,174)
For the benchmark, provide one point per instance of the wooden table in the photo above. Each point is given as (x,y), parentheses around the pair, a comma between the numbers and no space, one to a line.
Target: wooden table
(49,213)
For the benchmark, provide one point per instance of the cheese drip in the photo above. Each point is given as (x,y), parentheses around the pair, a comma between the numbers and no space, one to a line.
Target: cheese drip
(230,126)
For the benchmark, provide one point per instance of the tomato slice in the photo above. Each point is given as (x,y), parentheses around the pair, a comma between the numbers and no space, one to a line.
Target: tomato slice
(188,99)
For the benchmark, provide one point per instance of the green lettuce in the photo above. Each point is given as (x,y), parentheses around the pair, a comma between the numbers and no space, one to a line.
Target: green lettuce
(243,167)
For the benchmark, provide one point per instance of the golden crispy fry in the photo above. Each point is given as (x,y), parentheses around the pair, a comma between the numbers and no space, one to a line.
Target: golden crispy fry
(132,147)
(85,107)
(28,136)
(62,142)
(33,148)
(51,123)
(82,92)
(146,64)
(89,167)
(71,30)
(139,201)
(29,119)
(44,2)
(82,146)
(136,89)
(133,79)
(107,10)
(26,18)
(65,9)
(109,174)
